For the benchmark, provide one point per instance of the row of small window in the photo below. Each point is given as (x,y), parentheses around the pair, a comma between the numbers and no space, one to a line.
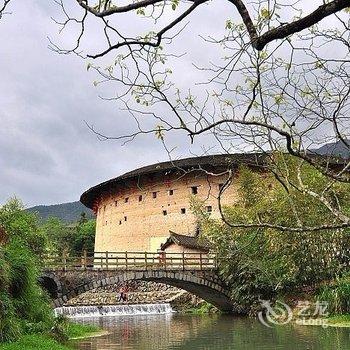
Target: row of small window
(194,190)
(208,209)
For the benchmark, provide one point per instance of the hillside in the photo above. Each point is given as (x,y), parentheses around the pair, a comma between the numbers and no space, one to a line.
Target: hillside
(67,212)
(337,149)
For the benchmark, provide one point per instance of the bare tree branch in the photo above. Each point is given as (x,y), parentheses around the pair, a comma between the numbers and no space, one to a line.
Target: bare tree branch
(259,42)
(3,6)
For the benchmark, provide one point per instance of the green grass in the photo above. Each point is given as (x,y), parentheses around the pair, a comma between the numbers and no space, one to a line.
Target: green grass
(34,342)
(76,330)
(340,319)
(45,342)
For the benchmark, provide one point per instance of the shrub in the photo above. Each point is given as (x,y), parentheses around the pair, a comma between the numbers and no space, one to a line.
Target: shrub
(59,331)
(337,296)
(24,306)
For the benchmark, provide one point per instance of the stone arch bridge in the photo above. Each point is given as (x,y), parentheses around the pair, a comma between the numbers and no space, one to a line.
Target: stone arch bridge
(65,277)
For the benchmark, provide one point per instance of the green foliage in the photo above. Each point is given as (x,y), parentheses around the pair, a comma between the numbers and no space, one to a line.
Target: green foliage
(50,341)
(22,225)
(63,330)
(60,234)
(70,238)
(203,309)
(23,305)
(337,295)
(75,330)
(340,320)
(84,237)
(59,331)
(261,263)
(34,342)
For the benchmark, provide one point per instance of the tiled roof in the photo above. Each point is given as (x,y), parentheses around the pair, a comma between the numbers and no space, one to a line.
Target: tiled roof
(185,241)
(214,163)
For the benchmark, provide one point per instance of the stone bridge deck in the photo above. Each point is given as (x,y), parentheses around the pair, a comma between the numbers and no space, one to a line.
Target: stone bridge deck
(67,277)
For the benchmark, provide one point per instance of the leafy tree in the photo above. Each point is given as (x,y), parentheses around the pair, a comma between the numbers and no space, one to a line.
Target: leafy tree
(22,225)
(71,238)
(24,307)
(59,233)
(263,262)
(84,238)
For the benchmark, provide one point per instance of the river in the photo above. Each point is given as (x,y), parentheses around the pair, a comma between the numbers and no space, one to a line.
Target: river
(174,331)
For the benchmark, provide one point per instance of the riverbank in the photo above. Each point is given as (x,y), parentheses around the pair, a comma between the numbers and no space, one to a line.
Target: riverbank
(339,321)
(46,342)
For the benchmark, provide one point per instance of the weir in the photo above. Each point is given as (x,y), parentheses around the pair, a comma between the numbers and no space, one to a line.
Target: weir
(114,310)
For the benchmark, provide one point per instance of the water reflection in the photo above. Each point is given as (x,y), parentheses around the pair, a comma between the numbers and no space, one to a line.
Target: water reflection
(204,332)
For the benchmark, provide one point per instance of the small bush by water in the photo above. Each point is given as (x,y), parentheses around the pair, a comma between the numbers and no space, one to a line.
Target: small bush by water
(337,296)
(203,309)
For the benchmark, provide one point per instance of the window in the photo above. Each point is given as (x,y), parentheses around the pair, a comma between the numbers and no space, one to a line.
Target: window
(126,200)
(116,203)
(171,192)
(106,223)
(194,189)
(165,212)
(197,231)
(209,208)
(125,218)
(120,222)
(183,210)
(154,194)
(140,198)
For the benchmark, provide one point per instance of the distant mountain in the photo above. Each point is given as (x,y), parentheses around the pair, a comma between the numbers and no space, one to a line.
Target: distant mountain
(337,149)
(67,212)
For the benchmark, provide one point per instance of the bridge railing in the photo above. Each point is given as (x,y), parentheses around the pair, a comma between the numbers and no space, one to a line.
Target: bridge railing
(131,261)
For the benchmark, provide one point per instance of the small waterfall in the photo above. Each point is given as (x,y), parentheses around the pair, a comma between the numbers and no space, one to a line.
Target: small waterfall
(113,310)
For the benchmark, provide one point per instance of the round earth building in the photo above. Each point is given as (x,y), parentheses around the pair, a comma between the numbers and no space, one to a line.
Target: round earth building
(136,211)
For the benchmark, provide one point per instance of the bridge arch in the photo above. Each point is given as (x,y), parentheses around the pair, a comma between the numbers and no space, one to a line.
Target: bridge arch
(51,284)
(208,288)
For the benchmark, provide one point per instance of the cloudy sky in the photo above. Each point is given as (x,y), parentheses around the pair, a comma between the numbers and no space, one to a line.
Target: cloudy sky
(47,153)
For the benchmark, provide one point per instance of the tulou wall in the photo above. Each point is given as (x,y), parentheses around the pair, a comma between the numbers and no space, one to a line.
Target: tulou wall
(138,215)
